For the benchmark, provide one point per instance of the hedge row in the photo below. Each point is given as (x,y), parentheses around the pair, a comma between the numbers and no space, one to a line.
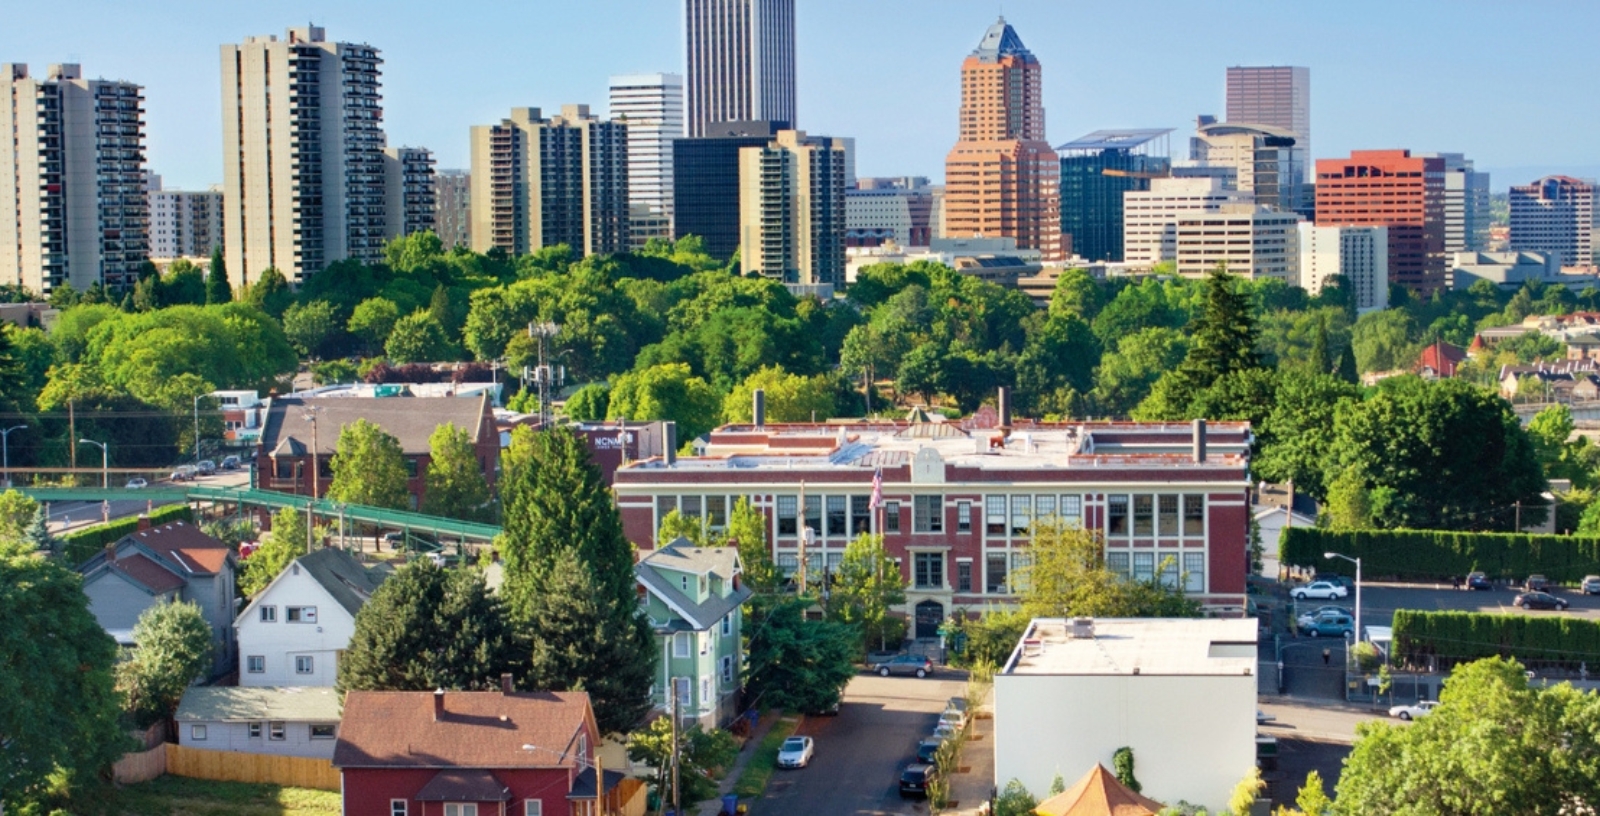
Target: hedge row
(1446,638)
(81,545)
(1438,555)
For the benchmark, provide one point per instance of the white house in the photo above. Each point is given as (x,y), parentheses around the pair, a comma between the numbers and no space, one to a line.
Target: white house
(1273,519)
(292,632)
(1181,693)
(302,722)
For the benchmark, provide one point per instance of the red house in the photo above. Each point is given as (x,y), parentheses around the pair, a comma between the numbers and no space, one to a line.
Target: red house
(475,753)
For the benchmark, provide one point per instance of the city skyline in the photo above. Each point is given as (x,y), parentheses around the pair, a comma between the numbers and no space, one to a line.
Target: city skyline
(1144,79)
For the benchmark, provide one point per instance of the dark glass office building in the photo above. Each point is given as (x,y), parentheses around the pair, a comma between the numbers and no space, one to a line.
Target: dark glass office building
(705,182)
(1095,171)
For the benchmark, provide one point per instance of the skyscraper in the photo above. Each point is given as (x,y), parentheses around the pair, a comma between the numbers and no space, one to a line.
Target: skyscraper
(1394,189)
(791,211)
(1555,214)
(410,198)
(1002,180)
(741,61)
(651,105)
(1360,255)
(1275,95)
(453,215)
(1095,171)
(705,182)
(1267,160)
(1466,203)
(540,182)
(303,178)
(72,180)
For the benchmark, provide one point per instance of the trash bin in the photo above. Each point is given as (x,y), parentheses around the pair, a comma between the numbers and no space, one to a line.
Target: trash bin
(753,716)
(730,804)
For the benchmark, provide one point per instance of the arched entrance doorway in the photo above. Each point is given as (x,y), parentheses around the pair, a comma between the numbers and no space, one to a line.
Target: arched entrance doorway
(930,614)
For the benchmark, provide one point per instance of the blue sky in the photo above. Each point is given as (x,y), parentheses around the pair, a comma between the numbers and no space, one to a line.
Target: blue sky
(1508,83)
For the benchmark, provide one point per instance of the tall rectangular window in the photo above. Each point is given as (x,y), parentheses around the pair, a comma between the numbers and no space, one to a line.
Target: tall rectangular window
(1194,572)
(303,664)
(689,507)
(786,516)
(927,514)
(929,570)
(716,512)
(1020,561)
(1117,563)
(397,807)
(1194,514)
(269,614)
(1167,515)
(1072,509)
(838,517)
(1144,565)
(1144,516)
(891,517)
(814,514)
(680,644)
(1021,515)
(1044,506)
(963,576)
(1167,563)
(994,581)
(860,515)
(994,515)
(1117,516)
(664,505)
(963,517)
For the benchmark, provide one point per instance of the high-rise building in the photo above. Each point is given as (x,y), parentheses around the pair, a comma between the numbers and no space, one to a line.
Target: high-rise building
(1250,240)
(705,182)
(1095,171)
(453,218)
(1394,189)
(791,211)
(302,133)
(540,182)
(72,189)
(1555,214)
(741,59)
(1275,95)
(409,195)
(1002,180)
(1359,254)
(879,210)
(651,105)
(183,223)
(1268,161)
(1466,204)
(1150,234)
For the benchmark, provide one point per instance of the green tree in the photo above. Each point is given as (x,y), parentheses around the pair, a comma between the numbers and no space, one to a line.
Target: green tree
(1224,339)
(218,290)
(668,392)
(700,755)
(1384,340)
(38,536)
(310,326)
(794,663)
(270,293)
(675,525)
(1066,576)
(454,485)
(285,542)
(1015,800)
(16,513)
(1312,800)
(372,321)
(747,530)
(61,703)
(1122,763)
(183,283)
(1562,455)
(1126,374)
(1078,294)
(418,338)
(790,397)
(1297,439)
(867,586)
(429,628)
(369,468)
(174,650)
(589,403)
(1347,370)
(1245,793)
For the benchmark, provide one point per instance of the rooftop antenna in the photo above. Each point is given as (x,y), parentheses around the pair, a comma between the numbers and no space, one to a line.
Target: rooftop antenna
(546,375)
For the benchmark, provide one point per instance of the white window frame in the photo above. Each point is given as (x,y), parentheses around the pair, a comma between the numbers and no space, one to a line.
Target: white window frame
(680,644)
(727,671)
(309,663)
(397,807)
(300,614)
(705,691)
(269,614)
(727,625)
(197,732)
(277,731)
(533,807)
(254,730)
(461,809)
(255,664)
(705,641)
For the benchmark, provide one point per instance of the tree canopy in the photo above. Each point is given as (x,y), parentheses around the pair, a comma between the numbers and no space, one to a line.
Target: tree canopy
(369,468)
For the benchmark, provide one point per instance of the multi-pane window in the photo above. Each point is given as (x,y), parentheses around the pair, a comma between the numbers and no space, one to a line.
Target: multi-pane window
(1117,563)
(963,576)
(786,516)
(891,517)
(994,515)
(1194,572)
(300,614)
(255,664)
(467,809)
(1167,514)
(269,614)
(995,574)
(927,514)
(689,507)
(1020,561)
(254,730)
(1144,519)
(727,671)
(533,807)
(1144,565)
(303,664)
(814,514)
(1044,506)
(860,515)
(197,733)
(664,505)
(788,564)
(727,625)
(963,517)
(928,570)
(1168,562)
(1021,515)
(1117,516)
(838,517)
(1072,509)
(1194,514)
(397,807)
(680,644)
(324,731)
(716,512)
(275,731)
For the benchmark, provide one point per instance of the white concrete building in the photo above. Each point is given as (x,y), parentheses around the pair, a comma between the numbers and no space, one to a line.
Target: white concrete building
(1181,693)
(1150,217)
(1555,215)
(1252,241)
(652,107)
(1267,161)
(72,200)
(292,632)
(183,223)
(1360,254)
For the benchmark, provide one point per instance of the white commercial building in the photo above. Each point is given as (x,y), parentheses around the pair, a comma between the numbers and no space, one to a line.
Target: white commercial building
(1150,217)
(1252,241)
(183,223)
(1360,254)
(72,199)
(1181,693)
(652,107)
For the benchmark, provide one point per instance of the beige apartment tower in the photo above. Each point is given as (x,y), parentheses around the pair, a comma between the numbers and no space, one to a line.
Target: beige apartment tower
(183,223)
(303,174)
(540,182)
(410,199)
(1250,240)
(72,180)
(792,211)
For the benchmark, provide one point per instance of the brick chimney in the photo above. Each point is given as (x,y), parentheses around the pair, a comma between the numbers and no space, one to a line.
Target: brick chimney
(144,522)
(438,705)
(506,686)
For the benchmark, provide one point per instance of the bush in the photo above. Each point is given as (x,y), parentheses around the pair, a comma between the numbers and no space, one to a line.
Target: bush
(1460,637)
(1437,555)
(1366,656)
(80,546)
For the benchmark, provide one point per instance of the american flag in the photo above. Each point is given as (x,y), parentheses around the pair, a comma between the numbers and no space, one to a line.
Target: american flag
(877,490)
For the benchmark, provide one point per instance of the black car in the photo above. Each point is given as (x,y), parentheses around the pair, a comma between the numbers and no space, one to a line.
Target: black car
(1478,580)
(1538,583)
(914,780)
(1540,600)
(928,751)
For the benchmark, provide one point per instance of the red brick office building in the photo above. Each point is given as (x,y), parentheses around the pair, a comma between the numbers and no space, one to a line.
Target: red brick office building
(1391,188)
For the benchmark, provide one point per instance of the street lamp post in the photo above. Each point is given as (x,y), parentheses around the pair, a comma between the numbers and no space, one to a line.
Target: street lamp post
(197,429)
(105,462)
(5,450)
(1332,555)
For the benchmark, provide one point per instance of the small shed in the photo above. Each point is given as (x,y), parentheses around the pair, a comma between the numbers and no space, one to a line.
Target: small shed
(1099,793)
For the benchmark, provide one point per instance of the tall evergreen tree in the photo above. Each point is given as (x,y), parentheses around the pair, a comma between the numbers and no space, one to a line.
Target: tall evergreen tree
(747,530)
(1223,341)
(1321,357)
(1347,365)
(454,485)
(218,290)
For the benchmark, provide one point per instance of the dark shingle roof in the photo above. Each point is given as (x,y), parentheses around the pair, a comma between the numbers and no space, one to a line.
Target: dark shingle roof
(409,419)
(458,785)
(350,583)
(153,577)
(681,555)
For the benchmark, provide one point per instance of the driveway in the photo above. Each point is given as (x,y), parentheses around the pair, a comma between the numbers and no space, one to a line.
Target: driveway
(859,753)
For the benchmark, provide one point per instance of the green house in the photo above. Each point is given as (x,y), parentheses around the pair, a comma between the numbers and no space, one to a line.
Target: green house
(692,596)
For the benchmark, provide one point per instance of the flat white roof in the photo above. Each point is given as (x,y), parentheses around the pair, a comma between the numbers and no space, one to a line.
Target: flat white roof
(1144,646)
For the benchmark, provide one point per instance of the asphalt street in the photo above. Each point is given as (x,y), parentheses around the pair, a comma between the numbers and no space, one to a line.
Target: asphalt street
(859,754)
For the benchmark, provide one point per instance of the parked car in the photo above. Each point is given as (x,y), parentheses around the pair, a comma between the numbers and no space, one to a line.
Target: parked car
(928,750)
(1262,717)
(230,463)
(181,475)
(1539,600)
(1341,580)
(1591,585)
(1411,712)
(438,559)
(1320,590)
(1477,580)
(206,467)
(394,538)
(956,704)
(1330,626)
(1538,583)
(795,752)
(915,778)
(953,718)
(1321,612)
(943,731)
(918,665)
(137,483)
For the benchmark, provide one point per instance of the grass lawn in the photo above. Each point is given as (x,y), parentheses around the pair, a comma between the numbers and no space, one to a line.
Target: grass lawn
(753,782)
(181,796)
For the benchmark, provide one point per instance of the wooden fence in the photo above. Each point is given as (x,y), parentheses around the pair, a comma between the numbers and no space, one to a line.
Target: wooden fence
(233,766)
(140,766)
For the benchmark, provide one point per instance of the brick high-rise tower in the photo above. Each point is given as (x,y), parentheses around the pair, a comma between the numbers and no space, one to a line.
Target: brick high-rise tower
(1002,178)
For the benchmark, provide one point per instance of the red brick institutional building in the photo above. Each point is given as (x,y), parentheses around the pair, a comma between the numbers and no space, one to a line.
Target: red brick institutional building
(958,499)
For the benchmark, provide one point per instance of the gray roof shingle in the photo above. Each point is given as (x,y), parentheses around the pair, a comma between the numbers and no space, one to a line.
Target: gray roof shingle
(409,419)
(722,562)
(350,583)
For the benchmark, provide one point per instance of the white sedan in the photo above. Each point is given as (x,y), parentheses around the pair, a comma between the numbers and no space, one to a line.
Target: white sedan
(1411,712)
(1320,590)
(795,752)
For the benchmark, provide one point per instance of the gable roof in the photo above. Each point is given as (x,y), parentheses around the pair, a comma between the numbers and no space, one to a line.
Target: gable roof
(409,419)
(141,571)
(350,583)
(478,729)
(459,785)
(682,556)
(240,704)
(1099,793)
(1442,357)
(184,545)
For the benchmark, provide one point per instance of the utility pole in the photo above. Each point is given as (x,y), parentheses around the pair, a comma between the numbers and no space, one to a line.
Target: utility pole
(72,433)
(310,414)
(673,693)
(805,534)
(546,376)
(309,525)
(197,428)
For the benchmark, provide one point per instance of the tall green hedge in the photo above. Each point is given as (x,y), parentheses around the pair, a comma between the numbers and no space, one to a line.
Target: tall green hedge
(1439,554)
(1447,638)
(81,545)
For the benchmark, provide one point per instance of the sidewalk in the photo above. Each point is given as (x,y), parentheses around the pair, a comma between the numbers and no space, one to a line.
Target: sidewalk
(973,780)
(713,807)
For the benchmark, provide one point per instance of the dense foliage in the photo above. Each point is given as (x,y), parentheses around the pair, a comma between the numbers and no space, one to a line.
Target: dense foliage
(174,650)
(1425,638)
(1437,555)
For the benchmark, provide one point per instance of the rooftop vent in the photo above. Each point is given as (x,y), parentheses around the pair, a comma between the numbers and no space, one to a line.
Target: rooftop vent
(1032,647)
(1083,628)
